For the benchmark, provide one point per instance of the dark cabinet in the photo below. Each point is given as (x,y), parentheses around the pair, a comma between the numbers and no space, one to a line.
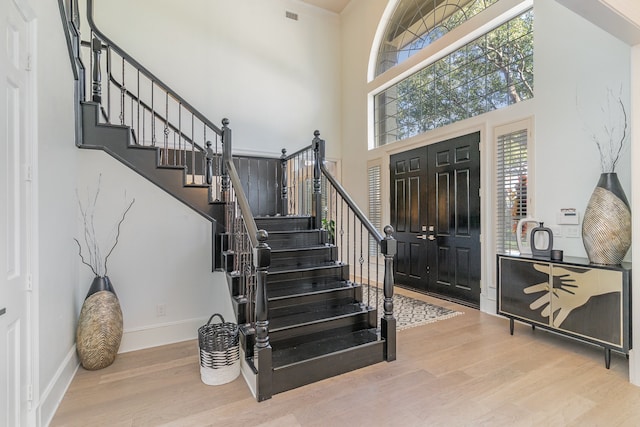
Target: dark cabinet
(572,297)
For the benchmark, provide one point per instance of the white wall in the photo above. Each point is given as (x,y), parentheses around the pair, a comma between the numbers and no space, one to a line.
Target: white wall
(56,267)
(276,79)
(163,256)
(573,59)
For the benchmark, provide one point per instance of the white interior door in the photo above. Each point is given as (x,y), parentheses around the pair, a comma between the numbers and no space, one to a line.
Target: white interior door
(15,217)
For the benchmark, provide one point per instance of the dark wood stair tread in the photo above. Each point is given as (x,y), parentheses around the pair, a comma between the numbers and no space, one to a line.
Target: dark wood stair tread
(283,357)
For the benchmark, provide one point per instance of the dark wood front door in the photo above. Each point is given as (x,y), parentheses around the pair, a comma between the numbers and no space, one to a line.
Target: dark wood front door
(409,216)
(435,209)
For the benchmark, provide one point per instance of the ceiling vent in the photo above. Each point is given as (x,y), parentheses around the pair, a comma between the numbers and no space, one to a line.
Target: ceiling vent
(291,15)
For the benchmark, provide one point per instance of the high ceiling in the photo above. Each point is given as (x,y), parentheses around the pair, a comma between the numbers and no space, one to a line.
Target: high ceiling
(335,6)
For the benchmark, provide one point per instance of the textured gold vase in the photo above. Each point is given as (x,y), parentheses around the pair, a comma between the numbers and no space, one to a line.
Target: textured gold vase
(99,331)
(606,227)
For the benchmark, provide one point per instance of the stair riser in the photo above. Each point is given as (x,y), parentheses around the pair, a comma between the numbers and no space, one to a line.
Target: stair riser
(339,271)
(285,223)
(297,240)
(317,369)
(303,258)
(329,297)
(240,306)
(352,322)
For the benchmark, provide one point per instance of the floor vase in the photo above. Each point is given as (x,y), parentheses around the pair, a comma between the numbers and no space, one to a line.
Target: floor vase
(606,227)
(99,331)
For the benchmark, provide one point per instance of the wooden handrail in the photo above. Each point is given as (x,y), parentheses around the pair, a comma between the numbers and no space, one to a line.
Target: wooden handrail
(243,202)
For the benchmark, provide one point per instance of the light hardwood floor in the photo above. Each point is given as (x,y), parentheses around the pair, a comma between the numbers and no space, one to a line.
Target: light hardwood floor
(464,371)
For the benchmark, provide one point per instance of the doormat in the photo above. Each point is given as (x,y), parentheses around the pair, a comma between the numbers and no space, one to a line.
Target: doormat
(410,312)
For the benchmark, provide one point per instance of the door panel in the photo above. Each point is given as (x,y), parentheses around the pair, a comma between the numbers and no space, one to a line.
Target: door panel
(15,217)
(408,216)
(435,210)
(454,171)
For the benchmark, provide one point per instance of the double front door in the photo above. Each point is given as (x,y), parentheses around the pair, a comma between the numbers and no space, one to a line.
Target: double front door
(435,211)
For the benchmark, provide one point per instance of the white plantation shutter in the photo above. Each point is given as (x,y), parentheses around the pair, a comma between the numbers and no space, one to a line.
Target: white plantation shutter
(512,177)
(375,203)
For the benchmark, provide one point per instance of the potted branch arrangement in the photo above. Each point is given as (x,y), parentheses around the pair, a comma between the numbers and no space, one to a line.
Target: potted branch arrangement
(606,227)
(99,330)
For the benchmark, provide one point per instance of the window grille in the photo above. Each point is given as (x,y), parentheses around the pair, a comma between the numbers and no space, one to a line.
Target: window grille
(489,73)
(416,24)
(375,204)
(512,197)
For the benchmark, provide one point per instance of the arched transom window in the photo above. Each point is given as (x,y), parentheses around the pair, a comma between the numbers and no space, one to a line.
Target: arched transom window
(416,24)
(489,72)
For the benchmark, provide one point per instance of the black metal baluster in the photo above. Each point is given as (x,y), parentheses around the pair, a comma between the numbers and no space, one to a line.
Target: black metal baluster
(109,84)
(153,118)
(122,96)
(284,197)
(96,76)
(138,115)
(165,131)
(183,159)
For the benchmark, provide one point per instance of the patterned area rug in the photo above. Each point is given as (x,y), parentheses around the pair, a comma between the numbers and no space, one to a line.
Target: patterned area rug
(410,312)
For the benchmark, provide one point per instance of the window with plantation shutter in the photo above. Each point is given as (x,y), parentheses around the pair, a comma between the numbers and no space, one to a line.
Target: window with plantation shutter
(375,204)
(512,179)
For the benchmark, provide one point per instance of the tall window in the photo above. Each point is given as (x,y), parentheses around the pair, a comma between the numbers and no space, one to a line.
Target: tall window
(512,174)
(491,72)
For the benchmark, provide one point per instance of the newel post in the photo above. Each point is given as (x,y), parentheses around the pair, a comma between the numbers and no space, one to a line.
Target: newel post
(284,195)
(226,156)
(96,73)
(388,324)
(318,159)
(263,361)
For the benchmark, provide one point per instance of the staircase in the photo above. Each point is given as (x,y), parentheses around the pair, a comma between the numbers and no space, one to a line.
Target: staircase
(318,325)
(296,288)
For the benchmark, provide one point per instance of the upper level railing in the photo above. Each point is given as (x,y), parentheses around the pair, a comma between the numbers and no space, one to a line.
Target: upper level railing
(131,95)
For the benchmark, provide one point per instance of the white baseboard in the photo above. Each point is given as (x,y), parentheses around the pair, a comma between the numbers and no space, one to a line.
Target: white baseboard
(160,334)
(54,392)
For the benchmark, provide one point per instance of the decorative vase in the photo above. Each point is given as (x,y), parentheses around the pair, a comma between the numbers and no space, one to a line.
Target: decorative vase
(99,330)
(606,226)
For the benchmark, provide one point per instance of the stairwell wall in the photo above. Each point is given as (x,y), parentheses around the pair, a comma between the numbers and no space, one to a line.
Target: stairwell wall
(161,268)
(275,78)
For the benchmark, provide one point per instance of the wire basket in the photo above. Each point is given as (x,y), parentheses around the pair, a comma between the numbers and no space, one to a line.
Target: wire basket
(219,352)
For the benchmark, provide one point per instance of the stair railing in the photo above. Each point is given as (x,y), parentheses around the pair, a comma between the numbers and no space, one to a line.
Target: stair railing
(130,95)
(251,261)
(309,188)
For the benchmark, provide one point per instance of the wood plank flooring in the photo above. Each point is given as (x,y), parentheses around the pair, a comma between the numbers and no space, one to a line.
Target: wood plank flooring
(464,371)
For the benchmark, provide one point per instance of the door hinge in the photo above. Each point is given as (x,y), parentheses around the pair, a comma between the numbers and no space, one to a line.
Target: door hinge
(30,393)
(28,66)
(29,283)
(428,269)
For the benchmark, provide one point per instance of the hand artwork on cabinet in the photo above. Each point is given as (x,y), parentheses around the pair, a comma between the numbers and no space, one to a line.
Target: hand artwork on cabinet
(570,290)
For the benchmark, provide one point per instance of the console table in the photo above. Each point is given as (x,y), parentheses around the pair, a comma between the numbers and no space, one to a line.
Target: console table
(572,297)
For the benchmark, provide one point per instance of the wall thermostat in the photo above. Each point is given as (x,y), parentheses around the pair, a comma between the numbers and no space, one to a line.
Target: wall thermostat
(568,216)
